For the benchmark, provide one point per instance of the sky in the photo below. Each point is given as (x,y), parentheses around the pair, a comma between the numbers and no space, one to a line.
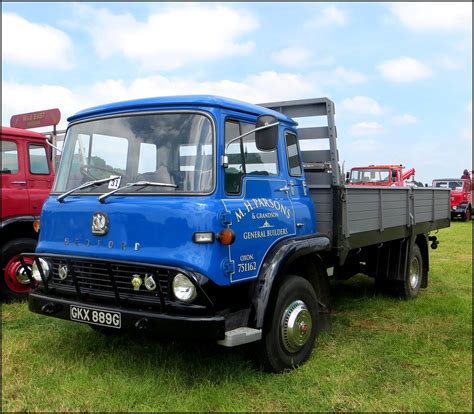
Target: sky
(400,74)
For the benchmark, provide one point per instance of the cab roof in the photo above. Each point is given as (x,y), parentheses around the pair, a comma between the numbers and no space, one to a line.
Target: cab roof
(368,167)
(184,101)
(22,133)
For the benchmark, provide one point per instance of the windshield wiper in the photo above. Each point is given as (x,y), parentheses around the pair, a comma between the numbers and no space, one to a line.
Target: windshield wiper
(86,185)
(138,183)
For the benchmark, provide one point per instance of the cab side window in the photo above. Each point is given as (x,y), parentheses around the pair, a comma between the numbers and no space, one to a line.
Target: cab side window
(244,157)
(9,157)
(38,159)
(293,155)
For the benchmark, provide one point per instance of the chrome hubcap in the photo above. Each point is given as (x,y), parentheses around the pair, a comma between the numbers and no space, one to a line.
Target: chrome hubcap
(414,272)
(21,276)
(296,326)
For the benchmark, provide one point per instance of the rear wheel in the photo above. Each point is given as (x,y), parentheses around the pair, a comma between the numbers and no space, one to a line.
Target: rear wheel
(14,282)
(290,329)
(410,287)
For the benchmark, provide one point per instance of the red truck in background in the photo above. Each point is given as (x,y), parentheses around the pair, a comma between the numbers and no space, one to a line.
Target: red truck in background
(461,196)
(27,176)
(380,175)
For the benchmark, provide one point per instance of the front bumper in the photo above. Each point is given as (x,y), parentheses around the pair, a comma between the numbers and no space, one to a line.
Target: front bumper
(459,210)
(198,327)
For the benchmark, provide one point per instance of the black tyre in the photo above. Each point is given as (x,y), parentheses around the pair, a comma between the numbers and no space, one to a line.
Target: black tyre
(14,282)
(410,287)
(291,326)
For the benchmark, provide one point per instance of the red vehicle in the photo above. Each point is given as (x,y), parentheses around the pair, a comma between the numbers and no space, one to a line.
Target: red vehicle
(461,196)
(380,175)
(27,176)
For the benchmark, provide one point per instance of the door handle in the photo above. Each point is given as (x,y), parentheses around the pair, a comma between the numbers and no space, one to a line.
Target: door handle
(285,189)
(18,182)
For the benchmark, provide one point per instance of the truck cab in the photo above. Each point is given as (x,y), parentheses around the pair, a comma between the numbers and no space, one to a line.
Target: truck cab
(380,175)
(27,176)
(461,196)
(200,217)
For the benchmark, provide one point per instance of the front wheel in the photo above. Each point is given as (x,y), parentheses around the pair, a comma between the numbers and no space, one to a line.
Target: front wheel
(14,282)
(290,329)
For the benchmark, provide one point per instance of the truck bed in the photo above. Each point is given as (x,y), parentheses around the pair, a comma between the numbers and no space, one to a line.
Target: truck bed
(358,216)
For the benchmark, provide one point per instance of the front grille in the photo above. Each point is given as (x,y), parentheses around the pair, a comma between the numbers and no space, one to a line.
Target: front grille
(89,279)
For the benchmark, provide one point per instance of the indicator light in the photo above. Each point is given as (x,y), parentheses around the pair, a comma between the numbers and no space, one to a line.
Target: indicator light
(227,236)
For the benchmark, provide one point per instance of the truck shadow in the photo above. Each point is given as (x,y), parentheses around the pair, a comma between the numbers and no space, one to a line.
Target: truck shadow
(147,353)
(358,287)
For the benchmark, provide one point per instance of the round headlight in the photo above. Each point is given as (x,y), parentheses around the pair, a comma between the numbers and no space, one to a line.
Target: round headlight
(183,288)
(35,271)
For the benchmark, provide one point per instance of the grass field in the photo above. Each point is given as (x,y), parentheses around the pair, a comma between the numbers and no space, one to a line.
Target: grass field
(382,354)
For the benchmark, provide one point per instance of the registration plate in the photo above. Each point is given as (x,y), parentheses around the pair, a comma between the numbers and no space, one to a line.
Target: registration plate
(95,316)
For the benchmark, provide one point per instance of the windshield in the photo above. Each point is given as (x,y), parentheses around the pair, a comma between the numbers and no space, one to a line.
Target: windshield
(171,148)
(370,175)
(455,185)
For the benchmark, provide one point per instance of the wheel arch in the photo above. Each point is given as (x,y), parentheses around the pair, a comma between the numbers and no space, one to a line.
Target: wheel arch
(17,227)
(300,256)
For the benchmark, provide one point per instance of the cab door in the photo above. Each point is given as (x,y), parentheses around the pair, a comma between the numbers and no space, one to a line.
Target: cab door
(257,203)
(39,176)
(298,189)
(15,200)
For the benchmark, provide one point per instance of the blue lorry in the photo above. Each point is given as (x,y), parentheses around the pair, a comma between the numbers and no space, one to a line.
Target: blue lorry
(207,217)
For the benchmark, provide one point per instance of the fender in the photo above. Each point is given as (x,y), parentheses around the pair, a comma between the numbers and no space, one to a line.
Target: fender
(281,255)
(16,219)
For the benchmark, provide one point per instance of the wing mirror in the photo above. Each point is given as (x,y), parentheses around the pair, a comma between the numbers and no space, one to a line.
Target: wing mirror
(266,136)
(266,133)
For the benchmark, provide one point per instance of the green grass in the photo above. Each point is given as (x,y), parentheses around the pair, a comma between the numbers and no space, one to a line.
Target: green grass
(382,354)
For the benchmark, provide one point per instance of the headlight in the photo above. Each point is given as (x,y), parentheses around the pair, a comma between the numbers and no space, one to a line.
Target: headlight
(35,271)
(183,288)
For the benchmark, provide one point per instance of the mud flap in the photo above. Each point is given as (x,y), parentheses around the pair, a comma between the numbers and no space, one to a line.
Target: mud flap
(392,260)
(324,317)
